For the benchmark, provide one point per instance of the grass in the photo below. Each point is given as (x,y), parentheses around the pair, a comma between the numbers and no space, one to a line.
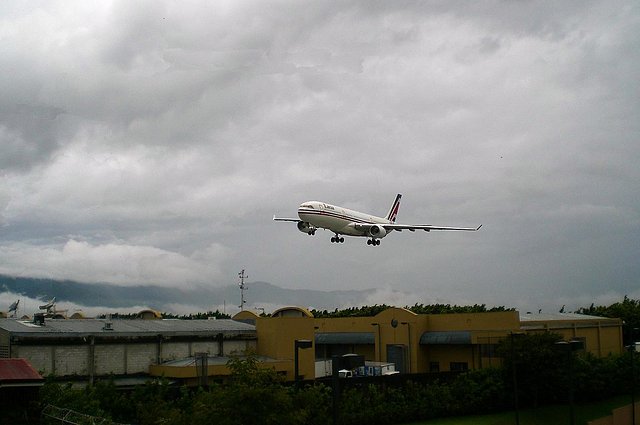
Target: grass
(548,415)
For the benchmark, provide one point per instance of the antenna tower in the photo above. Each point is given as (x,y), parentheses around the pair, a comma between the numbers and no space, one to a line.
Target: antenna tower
(242,277)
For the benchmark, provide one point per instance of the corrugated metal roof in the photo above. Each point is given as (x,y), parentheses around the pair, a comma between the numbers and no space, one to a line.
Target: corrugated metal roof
(446,338)
(12,370)
(538,317)
(80,327)
(360,338)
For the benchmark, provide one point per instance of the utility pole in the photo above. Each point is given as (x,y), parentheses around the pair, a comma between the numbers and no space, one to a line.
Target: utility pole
(242,277)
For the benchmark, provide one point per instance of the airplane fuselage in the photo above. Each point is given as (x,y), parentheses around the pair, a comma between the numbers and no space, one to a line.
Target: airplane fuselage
(339,220)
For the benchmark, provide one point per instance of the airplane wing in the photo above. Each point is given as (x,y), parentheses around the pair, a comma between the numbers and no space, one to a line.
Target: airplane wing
(426,227)
(285,219)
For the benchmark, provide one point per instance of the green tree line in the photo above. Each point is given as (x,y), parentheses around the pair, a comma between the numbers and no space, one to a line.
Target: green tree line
(628,310)
(165,315)
(368,311)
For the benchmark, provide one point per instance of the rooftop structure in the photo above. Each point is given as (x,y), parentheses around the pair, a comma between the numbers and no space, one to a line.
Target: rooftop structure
(18,373)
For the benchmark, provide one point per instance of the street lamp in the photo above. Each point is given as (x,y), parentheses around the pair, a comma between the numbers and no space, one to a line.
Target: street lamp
(299,344)
(632,355)
(512,336)
(409,330)
(379,343)
(570,347)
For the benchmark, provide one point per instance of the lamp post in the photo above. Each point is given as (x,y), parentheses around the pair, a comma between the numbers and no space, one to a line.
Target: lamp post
(299,344)
(569,347)
(512,336)
(632,355)
(409,330)
(379,343)
(632,351)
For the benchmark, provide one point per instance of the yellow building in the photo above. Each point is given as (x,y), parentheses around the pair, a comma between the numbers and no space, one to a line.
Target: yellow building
(394,339)
(601,336)
(419,343)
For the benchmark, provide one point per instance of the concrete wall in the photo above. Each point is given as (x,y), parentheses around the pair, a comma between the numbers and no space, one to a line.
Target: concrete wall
(276,339)
(4,344)
(620,416)
(110,359)
(140,356)
(41,358)
(174,351)
(118,358)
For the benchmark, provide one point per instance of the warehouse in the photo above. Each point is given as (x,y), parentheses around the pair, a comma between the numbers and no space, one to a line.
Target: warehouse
(89,348)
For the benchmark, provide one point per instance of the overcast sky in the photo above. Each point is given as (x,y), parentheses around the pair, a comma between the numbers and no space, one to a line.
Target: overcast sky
(151,142)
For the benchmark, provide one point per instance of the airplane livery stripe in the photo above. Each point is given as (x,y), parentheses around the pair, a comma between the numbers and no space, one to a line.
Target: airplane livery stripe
(335,215)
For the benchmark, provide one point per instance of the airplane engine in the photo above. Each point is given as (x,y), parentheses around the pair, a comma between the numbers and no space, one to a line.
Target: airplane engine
(307,228)
(376,231)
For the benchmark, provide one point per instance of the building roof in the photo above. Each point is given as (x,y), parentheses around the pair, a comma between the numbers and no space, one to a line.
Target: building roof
(103,327)
(537,317)
(18,372)
(547,321)
(292,311)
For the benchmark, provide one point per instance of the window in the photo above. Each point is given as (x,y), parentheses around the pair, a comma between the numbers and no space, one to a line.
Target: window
(458,366)
(434,366)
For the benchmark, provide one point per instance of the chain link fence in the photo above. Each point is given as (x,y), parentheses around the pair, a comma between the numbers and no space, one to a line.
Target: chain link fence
(55,415)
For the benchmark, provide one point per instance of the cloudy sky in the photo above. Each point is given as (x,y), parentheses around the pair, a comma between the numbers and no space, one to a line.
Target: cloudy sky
(151,142)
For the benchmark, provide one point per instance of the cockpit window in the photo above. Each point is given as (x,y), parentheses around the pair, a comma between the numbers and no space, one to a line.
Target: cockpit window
(306,206)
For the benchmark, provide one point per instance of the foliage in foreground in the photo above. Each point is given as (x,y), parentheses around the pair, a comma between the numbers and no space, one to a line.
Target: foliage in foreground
(257,395)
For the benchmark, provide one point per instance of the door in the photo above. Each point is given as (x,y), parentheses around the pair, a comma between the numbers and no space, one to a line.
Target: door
(396,354)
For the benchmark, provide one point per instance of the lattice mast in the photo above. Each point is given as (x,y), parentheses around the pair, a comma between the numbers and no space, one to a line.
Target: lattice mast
(242,286)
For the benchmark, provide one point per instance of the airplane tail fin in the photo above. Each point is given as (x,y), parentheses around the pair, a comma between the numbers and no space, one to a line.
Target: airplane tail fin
(393,212)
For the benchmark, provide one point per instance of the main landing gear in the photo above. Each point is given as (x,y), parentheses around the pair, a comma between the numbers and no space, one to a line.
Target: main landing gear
(337,239)
(373,242)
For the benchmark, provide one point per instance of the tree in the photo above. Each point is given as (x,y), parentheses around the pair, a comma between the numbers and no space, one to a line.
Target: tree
(628,310)
(255,394)
(539,364)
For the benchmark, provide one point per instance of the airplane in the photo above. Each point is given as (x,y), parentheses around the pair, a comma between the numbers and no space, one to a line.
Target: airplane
(314,215)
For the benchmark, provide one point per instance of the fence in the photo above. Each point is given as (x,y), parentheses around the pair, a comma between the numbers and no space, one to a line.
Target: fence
(57,415)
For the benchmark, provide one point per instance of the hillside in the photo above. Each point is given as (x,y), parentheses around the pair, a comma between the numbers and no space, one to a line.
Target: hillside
(107,295)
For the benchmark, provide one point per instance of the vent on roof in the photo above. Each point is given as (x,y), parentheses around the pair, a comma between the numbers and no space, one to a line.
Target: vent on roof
(38,319)
(108,325)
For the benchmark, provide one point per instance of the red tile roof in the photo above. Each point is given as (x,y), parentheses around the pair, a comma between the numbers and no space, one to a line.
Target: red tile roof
(12,370)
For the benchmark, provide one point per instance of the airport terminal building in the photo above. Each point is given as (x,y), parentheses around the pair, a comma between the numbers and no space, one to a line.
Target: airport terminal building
(185,350)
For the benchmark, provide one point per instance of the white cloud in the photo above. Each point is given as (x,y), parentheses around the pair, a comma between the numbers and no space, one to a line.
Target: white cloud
(151,142)
(118,264)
